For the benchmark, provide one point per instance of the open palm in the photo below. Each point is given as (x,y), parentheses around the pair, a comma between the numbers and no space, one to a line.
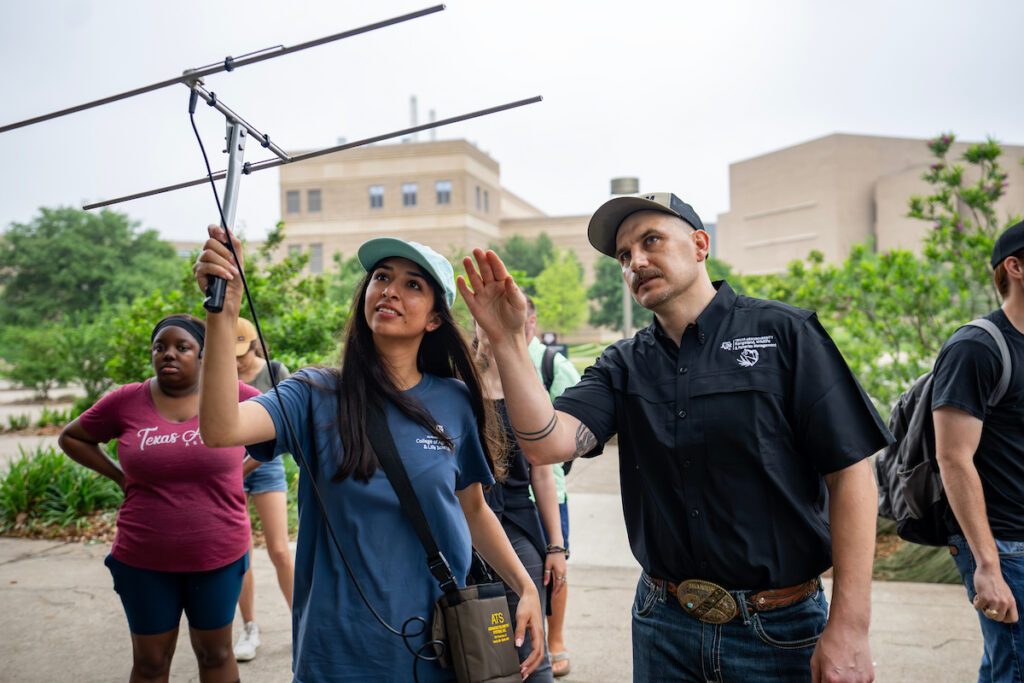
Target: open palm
(491,294)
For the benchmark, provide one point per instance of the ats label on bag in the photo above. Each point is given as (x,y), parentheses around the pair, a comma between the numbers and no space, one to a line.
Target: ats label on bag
(499,629)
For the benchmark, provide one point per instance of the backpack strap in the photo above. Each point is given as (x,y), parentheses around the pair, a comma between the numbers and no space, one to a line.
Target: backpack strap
(1004,351)
(547,367)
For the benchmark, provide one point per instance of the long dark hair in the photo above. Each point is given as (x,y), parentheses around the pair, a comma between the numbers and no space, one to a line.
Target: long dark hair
(362,380)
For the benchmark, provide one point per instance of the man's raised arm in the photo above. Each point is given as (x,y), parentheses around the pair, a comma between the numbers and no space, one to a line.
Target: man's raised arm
(545,434)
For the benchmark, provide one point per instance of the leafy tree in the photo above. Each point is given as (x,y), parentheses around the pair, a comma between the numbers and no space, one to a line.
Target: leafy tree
(528,257)
(35,358)
(301,315)
(561,300)
(69,262)
(605,295)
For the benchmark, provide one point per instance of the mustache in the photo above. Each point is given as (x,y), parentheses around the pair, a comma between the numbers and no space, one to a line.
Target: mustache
(642,275)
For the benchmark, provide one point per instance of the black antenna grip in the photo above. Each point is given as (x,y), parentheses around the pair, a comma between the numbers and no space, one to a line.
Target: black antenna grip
(216,288)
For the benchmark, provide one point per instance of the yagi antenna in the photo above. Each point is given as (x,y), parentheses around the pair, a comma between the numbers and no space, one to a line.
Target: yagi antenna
(229,64)
(238,129)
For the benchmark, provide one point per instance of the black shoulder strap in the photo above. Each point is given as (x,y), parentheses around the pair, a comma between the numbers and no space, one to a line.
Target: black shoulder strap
(1004,352)
(380,436)
(547,367)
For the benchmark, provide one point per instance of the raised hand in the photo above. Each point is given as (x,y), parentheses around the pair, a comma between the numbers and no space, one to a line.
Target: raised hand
(492,296)
(216,259)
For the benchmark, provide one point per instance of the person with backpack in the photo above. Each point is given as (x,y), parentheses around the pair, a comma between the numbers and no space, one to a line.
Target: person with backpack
(743,446)
(268,490)
(557,374)
(979,448)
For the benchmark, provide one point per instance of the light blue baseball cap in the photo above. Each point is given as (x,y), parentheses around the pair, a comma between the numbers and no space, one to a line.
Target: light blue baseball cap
(376,250)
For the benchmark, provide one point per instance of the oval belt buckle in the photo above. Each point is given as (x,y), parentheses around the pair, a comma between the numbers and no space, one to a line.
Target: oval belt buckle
(706,601)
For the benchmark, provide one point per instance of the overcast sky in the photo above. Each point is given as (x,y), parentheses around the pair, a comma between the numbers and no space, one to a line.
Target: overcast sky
(671,92)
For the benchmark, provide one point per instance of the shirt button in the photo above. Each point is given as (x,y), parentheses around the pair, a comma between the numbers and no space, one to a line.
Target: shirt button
(686,463)
(700,337)
(681,414)
(695,513)
(683,371)
(703,565)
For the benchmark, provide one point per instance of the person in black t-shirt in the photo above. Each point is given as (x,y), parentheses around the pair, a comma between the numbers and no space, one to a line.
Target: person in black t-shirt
(980,451)
(742,432)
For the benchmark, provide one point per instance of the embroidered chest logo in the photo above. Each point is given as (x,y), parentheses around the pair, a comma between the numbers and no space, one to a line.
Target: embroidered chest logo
(749,348)
(432,443)
(748,357)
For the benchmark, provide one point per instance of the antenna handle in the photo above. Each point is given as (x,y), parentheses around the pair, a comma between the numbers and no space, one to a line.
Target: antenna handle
(216,287)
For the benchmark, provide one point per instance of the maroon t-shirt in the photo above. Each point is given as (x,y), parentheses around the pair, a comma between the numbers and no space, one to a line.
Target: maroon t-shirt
(184,508)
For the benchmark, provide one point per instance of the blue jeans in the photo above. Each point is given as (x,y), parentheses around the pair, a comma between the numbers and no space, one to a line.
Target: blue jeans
(670,645)
(1003,657)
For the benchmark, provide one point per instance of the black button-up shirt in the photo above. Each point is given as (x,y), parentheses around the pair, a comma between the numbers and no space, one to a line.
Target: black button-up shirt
(724,439)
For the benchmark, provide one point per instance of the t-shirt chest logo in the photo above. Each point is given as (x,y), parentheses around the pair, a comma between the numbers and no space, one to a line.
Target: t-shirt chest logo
(432,443)
(749,349)
(147,437)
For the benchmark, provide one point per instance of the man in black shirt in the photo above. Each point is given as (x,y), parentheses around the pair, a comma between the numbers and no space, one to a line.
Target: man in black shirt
(980,451)
(741,433)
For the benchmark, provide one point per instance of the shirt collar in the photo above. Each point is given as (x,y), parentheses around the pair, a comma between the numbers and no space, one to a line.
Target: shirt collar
(710,318)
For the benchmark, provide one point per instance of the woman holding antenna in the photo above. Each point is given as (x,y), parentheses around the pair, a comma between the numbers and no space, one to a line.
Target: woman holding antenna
(404,353)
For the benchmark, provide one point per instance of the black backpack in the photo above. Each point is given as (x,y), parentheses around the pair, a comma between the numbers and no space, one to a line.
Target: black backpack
(909,484)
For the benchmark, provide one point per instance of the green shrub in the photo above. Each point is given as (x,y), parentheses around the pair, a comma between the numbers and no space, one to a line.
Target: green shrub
(47,488)
(16,423)
(54,417)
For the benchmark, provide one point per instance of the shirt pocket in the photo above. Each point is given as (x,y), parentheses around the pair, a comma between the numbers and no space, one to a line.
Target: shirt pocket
(649,408)
(742,414)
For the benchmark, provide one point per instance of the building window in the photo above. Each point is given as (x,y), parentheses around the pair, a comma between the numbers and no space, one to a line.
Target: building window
(316,258)
(291,201)
(376,196)
(477,197)
(444,191)
(313,201)
(408,194)
(294,249)
(486,202)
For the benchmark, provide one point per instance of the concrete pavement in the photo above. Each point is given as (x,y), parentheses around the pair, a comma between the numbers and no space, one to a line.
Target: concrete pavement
(62,621)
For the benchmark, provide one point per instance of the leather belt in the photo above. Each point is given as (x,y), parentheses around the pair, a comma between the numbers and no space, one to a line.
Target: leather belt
(713,604)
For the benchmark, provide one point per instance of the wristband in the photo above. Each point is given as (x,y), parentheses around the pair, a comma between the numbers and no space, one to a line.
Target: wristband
(552,549)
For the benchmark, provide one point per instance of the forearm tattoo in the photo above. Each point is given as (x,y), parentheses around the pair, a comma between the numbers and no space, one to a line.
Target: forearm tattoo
(585,441)
(540,433)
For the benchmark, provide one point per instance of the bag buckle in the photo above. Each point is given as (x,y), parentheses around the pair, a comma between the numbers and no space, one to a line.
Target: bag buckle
(706,601)
(442,572)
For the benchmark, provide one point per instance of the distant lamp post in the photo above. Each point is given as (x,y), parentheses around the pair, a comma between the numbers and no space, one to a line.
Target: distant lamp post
(621,186)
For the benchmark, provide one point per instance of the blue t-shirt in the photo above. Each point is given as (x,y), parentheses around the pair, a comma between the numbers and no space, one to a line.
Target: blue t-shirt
(334,636)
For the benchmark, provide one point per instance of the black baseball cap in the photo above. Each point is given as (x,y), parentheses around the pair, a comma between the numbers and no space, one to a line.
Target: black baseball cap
(605,222)
(1008,244)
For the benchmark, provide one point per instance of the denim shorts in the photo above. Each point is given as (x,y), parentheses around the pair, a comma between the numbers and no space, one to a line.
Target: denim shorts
(267,477)
(153,600)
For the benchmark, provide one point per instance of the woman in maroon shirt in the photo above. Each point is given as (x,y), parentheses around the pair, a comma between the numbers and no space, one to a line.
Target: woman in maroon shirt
(183,529)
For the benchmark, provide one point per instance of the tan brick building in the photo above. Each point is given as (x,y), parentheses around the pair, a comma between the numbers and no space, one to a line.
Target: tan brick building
(446,194)
(831,193)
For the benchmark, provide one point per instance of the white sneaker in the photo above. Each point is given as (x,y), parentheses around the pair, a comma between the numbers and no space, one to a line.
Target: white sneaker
(245,648)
